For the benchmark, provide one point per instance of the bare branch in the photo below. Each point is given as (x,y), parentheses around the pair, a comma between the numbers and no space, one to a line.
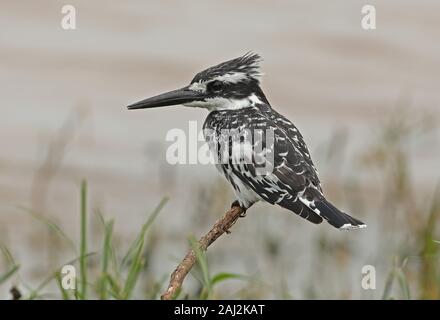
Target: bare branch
(220,227)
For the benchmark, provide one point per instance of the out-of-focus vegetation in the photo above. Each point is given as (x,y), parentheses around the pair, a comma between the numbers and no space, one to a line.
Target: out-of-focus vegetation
(403,208)
(406,219)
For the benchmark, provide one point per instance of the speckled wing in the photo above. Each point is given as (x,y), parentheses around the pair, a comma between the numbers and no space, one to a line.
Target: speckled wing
(311,196)
(292,181)
(291,176)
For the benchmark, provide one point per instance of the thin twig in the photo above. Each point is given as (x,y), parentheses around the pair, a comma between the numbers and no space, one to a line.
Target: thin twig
(220,227)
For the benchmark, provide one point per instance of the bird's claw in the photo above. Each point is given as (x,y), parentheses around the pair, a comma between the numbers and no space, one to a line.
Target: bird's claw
(237,204)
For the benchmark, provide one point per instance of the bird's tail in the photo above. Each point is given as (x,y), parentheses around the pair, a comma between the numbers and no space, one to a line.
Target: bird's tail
(337,218)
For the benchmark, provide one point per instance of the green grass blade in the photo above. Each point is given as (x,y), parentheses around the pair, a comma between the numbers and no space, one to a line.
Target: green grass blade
(388,285)
(134,254)
(7,254)
(145,227)
(9,273)
(201,260)
(115,289)
(203,264)
(83,243)
(111,253)
(52,226)
(223,276)
(64,293)
(136,264)
(106,254)
(404,287)
(36,292)
(430,271)
(14,266)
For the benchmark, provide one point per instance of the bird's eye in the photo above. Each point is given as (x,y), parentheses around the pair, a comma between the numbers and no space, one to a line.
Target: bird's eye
(215,86)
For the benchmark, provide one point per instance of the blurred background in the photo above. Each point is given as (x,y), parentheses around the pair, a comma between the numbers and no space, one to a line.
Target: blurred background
(367,103)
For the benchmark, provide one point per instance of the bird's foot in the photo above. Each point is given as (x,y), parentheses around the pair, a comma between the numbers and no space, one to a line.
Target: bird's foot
(237,204)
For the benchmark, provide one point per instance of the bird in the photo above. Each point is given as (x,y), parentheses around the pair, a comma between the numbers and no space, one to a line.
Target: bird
(260,152)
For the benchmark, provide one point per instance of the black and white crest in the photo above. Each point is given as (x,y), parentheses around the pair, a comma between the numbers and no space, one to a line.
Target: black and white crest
(230,85)
(244,68)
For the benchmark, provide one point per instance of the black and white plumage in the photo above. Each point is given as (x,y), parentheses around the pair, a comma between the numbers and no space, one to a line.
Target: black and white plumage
(239,113)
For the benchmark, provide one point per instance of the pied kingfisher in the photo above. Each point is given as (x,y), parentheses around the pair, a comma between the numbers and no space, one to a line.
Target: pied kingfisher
(231,92)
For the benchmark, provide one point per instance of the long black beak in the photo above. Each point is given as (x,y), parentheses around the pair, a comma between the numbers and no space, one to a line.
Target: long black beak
(179,96)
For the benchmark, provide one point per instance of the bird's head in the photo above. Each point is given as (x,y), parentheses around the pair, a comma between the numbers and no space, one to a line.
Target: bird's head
(230,85)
